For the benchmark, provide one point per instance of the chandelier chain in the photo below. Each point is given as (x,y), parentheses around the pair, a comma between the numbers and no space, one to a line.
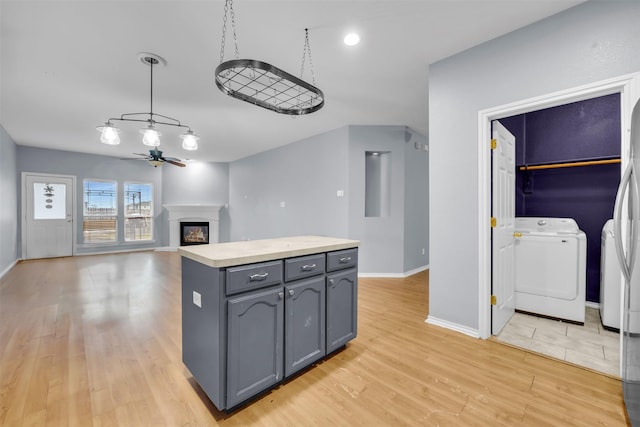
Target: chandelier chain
(228,10)
(307,51)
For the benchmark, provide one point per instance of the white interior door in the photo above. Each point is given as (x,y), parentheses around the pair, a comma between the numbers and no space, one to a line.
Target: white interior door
(504,211)
(48,216)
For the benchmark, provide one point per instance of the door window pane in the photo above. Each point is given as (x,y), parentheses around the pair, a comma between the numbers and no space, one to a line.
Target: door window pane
(138,211)
(49,201)
(100,210)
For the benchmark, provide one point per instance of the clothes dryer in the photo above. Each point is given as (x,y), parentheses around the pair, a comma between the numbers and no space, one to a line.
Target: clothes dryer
(610,279)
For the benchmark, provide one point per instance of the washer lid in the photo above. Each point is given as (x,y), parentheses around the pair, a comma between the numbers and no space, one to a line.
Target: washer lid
(546,225)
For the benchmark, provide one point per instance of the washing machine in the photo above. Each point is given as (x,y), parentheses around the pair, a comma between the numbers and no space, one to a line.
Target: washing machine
(610,279)
(550,267)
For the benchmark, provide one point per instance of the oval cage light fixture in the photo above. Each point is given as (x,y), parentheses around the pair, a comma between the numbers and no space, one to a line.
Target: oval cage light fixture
(263,84)
(266,86)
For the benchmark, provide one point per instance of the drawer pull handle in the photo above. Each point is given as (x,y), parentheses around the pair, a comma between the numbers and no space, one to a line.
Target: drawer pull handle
(258,277)
(345,260)
(308,267)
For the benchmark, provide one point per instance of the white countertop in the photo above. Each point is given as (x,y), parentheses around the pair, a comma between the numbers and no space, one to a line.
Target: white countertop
(250,251)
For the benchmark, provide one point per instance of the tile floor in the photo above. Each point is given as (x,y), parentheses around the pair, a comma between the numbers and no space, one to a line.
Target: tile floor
(590,345)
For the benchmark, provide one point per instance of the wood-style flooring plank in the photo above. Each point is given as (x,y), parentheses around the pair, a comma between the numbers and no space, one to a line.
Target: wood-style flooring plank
(96,341)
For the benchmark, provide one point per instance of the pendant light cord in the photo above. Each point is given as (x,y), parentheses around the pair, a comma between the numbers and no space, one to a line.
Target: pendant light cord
(151,90)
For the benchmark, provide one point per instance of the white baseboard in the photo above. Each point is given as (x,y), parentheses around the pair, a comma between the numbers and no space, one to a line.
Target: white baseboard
(166,249)
(6,270)
(395,275)
(114,251)
(592,304)
(453,326)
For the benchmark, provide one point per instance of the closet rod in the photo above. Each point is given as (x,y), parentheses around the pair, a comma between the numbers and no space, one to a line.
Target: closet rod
(571,165)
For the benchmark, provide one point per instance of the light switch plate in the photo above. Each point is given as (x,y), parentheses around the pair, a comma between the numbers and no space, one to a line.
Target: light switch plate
(197,299)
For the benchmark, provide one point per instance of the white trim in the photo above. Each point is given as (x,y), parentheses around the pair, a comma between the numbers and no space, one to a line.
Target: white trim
(115,252)
(396,275)
(6,270)
(592,304)
(628,86)
(453,326)
(23,212)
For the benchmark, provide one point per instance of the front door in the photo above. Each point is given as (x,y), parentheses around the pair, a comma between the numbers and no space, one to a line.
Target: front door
(504,211)
(48,215)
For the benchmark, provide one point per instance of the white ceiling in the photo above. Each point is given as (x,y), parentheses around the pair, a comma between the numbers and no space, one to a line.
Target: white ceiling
(67,66)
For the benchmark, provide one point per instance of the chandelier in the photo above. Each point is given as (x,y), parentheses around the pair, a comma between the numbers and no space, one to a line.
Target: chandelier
(109,134)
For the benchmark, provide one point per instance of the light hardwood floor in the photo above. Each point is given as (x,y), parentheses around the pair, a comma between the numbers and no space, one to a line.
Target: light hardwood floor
(96,340)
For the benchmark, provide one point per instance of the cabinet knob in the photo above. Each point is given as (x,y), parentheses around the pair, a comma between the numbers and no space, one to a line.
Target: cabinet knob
(331,281)
(280,295)
(291,292)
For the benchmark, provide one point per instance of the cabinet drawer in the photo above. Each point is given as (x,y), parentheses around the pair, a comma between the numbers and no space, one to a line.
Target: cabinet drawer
(342,259)
(253,276)
(301,267)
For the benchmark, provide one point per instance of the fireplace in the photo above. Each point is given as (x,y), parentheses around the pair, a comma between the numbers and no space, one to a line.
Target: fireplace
(194,233)
(207,214)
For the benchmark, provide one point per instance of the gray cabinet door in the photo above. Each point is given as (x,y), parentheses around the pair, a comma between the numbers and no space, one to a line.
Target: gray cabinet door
(342,308)
(304,323)
(255,344)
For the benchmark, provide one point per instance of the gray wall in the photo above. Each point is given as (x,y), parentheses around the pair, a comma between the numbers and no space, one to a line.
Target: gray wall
(416,202)
(198,183)
(588,43)
(91,166)
(384,247)
(9,205)
(306,176)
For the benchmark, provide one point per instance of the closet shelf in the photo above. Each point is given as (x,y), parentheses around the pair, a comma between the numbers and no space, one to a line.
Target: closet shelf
(570,164)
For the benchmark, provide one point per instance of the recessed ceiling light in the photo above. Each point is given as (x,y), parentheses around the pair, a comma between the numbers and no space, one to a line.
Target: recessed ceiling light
(351,39)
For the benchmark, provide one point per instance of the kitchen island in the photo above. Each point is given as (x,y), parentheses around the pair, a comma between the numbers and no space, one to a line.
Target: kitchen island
(256,312)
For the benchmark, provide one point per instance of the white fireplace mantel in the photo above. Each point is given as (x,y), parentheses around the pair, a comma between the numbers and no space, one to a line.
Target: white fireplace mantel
(184,213)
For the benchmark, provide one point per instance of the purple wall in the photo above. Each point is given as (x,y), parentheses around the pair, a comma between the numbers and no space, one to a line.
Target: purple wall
(578,131)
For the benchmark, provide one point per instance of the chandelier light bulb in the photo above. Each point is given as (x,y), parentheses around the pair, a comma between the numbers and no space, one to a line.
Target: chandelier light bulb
(190,141)
(151,136)
(109,134)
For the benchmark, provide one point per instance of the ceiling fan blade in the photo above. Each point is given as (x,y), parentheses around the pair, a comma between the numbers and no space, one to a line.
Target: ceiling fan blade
(174,162)
(134,158)
(172,159)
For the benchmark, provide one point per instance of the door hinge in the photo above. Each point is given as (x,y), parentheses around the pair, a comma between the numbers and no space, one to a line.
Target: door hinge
(493,222)
(494,300)
(494,144)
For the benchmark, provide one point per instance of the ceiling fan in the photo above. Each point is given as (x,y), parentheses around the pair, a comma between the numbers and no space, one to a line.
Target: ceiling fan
(156,159)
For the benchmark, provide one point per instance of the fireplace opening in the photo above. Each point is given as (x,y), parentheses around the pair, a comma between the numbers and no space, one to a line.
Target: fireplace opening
(194,233)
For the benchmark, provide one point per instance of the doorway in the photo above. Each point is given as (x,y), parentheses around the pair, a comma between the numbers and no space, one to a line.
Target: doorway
(629,89)
(48,206)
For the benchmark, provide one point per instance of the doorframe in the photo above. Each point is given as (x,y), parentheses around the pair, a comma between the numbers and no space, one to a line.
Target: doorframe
(628,86)
(23,207)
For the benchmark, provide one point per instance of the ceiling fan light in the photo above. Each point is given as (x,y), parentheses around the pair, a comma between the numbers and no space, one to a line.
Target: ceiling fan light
(109,134)
(150,136)
(155,163)
(190,141)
